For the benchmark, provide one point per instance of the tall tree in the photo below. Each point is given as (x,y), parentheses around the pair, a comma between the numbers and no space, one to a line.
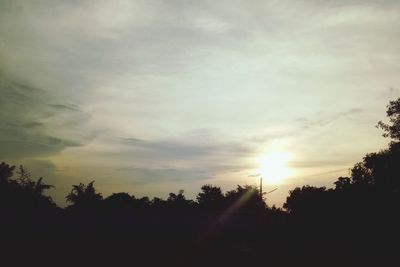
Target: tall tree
(392,129)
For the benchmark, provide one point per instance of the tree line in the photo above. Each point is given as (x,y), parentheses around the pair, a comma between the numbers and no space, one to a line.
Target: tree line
(365,206)
(375,178)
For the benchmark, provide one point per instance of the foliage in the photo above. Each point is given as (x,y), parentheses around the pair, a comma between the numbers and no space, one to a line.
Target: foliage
(305,200)
(392,129)
(6,172)
(245,198)
(342,183)
(82,195)
(22,194)
(210,197)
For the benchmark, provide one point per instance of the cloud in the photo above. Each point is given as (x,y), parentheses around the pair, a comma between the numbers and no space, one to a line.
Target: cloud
(208,155)
(324,120)
(319,163)
(132,140)
(153,176)
(65,107)
(30,127)
(303,125)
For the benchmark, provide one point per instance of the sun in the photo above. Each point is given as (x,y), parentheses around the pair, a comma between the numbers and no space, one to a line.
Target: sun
(273,167)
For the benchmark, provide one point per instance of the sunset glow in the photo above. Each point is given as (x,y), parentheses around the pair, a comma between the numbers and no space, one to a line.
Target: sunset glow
(148,98)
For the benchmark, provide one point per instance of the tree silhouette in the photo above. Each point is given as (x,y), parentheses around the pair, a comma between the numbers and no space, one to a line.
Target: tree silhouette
(177,197)
(245,198)
(84,196)
(210,197)
(119,201)
(305,200)
(361,175)
(6,172)
(8,188)
(23,177)
(40,186)
(392,130)
(342,183)
(178,202)
(22,200)
(24,180)
(379,169)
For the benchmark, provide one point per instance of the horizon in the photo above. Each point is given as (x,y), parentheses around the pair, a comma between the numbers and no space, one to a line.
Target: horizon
(149,98)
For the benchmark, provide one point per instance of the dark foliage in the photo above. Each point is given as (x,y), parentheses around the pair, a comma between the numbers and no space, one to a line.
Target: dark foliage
(22,195)
(84,196)
(392,129)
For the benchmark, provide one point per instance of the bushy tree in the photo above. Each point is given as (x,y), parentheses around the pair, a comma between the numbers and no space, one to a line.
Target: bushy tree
(392,129)
(244,198)
(25,181)
(342,183)
(305,200)
(179,201)
(84,195)
(22,194)
(119,201)
(379,169)
(210,197)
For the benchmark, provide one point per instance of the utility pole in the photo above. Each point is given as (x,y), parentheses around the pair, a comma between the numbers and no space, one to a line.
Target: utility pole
(261,192)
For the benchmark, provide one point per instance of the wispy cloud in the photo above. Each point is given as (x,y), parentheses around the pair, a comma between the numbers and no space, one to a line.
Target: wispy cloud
(324,120)
(29,126)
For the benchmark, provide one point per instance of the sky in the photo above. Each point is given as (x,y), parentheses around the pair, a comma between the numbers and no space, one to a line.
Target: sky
(149,97)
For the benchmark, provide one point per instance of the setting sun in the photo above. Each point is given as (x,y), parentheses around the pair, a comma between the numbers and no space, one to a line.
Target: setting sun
(273,167)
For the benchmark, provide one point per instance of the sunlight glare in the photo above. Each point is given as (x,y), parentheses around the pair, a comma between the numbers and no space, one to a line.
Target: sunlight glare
(273,167)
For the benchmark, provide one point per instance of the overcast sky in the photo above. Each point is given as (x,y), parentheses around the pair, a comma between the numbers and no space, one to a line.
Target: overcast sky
(150,97)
